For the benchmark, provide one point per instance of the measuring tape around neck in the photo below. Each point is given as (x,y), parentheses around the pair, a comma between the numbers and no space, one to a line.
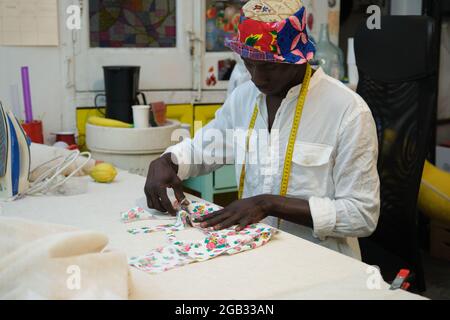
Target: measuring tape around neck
(291,143)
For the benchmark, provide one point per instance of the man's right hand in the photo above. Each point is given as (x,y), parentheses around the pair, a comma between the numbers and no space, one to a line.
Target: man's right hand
(162,174)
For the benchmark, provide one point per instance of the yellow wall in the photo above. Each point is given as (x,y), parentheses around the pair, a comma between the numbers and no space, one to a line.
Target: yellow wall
(204,114)
(82,116)
(183,113)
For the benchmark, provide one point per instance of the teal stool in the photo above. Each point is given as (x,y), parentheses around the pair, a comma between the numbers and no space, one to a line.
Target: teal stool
(222,180)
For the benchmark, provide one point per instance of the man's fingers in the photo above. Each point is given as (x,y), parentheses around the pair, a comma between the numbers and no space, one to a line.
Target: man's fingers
(216,220)
(243,224)
(155,201)
(148,198)
(177,187)
(149,202)
(211,215)
(227,223)
(165,202)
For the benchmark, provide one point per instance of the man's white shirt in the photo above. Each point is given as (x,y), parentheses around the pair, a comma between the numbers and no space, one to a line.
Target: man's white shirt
(334,164)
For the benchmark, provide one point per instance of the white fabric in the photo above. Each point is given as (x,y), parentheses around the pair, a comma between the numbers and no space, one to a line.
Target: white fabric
(334,163)
(286,268)
(46,261)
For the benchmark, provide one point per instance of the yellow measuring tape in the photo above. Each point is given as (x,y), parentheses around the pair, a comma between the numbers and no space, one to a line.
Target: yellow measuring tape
(247,147)
(291,142)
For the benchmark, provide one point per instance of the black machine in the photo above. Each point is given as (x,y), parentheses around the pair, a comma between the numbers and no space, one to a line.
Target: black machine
(398,75)
(121,92)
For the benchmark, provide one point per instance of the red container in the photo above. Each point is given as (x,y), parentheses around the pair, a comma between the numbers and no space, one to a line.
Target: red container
(67,137)
(34,131)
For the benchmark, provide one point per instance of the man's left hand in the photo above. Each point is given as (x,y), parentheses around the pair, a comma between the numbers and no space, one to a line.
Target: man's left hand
(241,213)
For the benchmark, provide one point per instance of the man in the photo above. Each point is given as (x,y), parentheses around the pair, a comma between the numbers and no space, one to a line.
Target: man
(315,173)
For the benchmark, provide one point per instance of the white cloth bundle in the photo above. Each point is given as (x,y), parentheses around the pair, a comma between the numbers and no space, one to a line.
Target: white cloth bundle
(44,261)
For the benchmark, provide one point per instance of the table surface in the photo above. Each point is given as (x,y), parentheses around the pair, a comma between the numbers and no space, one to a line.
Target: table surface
(287,267)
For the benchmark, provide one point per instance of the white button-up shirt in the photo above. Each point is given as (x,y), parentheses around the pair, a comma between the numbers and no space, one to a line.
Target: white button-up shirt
(334,164)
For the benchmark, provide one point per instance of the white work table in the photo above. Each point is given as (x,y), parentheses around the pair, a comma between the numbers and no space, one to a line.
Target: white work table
(286,268)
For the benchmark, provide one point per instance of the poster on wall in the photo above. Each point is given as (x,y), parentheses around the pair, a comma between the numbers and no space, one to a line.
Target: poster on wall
(29,23)
(132,24)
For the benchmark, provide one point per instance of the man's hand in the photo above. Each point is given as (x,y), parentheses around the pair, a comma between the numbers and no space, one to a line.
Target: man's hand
(241,212)
(162,174)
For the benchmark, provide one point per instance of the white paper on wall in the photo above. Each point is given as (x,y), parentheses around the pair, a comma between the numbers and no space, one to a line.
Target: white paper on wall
(29,23)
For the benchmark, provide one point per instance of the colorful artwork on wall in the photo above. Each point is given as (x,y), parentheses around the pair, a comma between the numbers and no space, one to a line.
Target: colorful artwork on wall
(132,23)
(222,20)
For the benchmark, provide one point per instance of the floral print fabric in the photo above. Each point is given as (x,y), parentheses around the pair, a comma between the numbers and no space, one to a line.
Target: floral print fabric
(179,253)
(283,41)
(135,214)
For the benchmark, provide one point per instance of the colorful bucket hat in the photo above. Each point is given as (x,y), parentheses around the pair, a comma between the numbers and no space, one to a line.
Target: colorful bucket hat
(274,31)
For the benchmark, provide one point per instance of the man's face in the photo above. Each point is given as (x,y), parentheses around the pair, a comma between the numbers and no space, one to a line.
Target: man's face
(269,77)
